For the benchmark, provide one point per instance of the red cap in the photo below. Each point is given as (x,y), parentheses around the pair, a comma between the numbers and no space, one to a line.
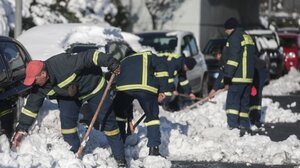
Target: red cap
(33,69)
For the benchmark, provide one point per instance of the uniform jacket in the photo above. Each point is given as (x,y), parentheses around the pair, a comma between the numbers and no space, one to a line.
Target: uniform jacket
(176,71)
(143,71)
(239,57)
(82,70)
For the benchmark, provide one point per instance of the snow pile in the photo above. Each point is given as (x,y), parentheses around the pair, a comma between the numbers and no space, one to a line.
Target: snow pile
(284,85)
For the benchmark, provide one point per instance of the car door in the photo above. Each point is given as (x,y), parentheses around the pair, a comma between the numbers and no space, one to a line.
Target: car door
(196,76)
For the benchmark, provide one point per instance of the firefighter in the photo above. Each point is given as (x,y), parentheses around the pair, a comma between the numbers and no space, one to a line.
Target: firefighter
(260,78)
(141,77)
(72,79)
(237,75)
(177,67)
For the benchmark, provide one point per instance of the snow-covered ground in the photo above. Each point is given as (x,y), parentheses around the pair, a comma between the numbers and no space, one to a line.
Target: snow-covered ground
(199,134)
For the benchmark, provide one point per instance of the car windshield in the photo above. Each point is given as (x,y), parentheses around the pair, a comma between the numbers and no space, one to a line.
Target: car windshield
(288,42)
(161,43)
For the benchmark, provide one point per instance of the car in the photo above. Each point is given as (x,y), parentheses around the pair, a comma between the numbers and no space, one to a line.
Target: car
(269,49)
(213,51)
(183,43)
(291,48)
(13,60)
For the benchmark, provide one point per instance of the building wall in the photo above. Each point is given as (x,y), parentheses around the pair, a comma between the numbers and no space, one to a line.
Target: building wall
(215,12)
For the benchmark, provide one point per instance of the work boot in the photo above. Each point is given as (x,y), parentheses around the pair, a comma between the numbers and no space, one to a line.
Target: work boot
(244,131)
(154,151)
(121,163)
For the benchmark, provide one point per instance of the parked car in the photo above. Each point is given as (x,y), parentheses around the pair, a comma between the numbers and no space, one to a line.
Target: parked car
(213,51)
(183,43)
(291,49)
(12,68)
(268,47)
(13,59)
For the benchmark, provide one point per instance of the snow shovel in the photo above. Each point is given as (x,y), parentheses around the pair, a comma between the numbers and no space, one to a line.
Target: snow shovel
(201,101)
(86,135)
(197,98)
(132,139)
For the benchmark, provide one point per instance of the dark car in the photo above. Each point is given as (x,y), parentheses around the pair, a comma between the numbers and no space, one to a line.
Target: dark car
(13,59)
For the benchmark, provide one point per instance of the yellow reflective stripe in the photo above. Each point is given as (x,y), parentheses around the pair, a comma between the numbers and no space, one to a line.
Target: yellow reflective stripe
(247,40)
(242,80)
(233,63)
(175,73)
(99,87)
(141,53)
(232,111)
(168,93)
(51,92)
(3,113)
(245,62)
(183,83)
(151,123)
(243,114)
(69,131)
(67,81)
(121,119)
(170,80)
(161,74)
(112,133)
(145,69)
(227,44)
(63,84)
(95,57)
(29,113)
(258,107)
(137,87)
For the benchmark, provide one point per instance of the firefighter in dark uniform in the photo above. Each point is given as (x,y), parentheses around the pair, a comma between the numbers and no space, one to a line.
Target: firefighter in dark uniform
(72,79)
(238,75)
(177,68)
(260,78)
(141,77)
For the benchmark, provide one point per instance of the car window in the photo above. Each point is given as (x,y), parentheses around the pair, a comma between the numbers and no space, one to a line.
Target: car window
(189,46)
(289,42)
(14,58)
(160,43)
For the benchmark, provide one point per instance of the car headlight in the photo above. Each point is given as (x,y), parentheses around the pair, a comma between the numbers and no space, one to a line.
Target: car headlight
(290,55)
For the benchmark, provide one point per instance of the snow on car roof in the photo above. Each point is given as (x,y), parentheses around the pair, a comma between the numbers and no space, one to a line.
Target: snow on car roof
(42,42)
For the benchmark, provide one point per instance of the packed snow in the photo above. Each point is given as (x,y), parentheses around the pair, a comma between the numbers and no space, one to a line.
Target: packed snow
(200,134)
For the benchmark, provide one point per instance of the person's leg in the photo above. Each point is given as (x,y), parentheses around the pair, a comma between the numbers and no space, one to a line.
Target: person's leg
(69,110)
(108,122)
(233,106)
(244,105)
(149,104)
(121,107)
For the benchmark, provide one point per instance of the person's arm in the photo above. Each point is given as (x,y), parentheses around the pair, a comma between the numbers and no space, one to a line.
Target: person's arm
(28,115)
(161,73)
(232,58)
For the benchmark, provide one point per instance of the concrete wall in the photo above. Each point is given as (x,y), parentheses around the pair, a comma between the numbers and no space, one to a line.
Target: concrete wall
(215,12)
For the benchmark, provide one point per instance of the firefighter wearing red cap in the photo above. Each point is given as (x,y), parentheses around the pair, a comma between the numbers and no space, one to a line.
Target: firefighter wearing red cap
(72,80)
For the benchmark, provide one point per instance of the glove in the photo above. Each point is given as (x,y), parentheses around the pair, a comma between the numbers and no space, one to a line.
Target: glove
(72,90)
(17,138)
(227,81)
(113,64)
(253,91)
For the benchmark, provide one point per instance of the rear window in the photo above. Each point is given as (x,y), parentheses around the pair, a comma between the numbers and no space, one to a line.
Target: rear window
(159,43)
(289,42)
